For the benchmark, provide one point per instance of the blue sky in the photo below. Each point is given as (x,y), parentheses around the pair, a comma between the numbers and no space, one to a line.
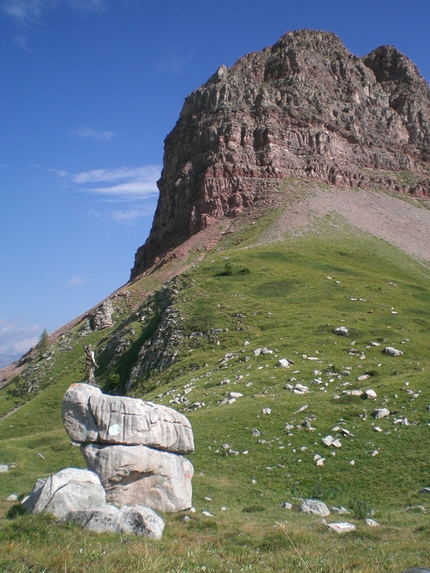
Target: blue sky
(89,91)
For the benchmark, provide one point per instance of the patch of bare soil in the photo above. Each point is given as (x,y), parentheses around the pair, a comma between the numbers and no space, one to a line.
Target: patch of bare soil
(401,221)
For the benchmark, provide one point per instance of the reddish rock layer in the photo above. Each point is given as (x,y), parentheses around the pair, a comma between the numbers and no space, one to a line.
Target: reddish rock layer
(305,107)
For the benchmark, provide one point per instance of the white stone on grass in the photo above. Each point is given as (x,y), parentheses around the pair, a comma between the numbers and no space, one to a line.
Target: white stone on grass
(381,413)
(341,527)
(315,507)
(341,331)
(392,351)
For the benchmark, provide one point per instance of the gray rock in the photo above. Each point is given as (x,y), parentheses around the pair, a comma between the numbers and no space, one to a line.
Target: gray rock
(392,351)
(138,520)
(417,570)
(78,419)
(4,468)
(102,316)
(381,413)
(138,474)
(90,416)
(71,489)
(315,507)
(12,497)
(341,331)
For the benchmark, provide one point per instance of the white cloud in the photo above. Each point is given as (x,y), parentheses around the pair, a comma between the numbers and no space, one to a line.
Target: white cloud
(123,183)
(90,133)
(16,339)
(76,281)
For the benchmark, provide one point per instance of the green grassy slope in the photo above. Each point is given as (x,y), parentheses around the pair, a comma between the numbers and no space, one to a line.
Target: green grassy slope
(287,297)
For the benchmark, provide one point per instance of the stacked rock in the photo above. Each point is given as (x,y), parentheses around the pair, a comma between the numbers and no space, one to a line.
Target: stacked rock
(135,447)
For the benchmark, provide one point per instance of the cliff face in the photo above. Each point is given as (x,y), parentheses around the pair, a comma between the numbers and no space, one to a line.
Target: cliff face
(305,107)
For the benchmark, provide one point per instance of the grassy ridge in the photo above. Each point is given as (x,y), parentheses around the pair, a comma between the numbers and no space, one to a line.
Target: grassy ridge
(286,296)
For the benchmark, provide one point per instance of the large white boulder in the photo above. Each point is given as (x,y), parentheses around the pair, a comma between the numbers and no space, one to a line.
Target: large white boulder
(90,416)
(141,475)
(138,520)
(68,490)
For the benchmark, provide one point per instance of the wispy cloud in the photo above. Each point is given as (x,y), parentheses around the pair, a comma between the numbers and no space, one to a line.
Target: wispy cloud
(124,183)
(16,339)
(172,65)
(90,133)
(76,281)
(28,12)
(22,42)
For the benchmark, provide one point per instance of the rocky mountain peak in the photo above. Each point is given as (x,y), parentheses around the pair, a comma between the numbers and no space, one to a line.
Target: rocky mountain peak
(305,107)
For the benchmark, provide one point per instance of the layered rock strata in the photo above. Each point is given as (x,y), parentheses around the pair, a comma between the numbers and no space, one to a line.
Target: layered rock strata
(305,107)
(135,447)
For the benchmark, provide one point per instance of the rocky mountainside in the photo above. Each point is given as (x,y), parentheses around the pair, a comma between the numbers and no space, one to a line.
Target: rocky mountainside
(305,107)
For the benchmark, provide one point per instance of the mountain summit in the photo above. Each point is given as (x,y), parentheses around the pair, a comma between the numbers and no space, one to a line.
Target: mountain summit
(305,107)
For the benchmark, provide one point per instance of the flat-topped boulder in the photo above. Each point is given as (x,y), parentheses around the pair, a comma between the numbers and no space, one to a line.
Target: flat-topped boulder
(91,416)
(140,475)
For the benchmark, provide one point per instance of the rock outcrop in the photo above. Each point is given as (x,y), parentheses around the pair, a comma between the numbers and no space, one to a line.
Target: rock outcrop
(135,447)
(305,107)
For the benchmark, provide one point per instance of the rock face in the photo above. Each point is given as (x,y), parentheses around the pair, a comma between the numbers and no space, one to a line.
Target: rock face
(140,475)
(305,107)
(133,446)
(90,416)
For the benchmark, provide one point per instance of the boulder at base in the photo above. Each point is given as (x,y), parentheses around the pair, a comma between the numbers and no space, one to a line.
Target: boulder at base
(138,520)
(90,416)
(140,475)
(68,490)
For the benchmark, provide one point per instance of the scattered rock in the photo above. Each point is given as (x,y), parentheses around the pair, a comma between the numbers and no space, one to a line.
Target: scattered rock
(341,331)
(315,507)
(341,527)
(266,411)
(370,394)
(4,468)
(285,363)
(340,510)
(381,413)
(392,351)
(371,522)
(138,520)
(287,505)
(12,497)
